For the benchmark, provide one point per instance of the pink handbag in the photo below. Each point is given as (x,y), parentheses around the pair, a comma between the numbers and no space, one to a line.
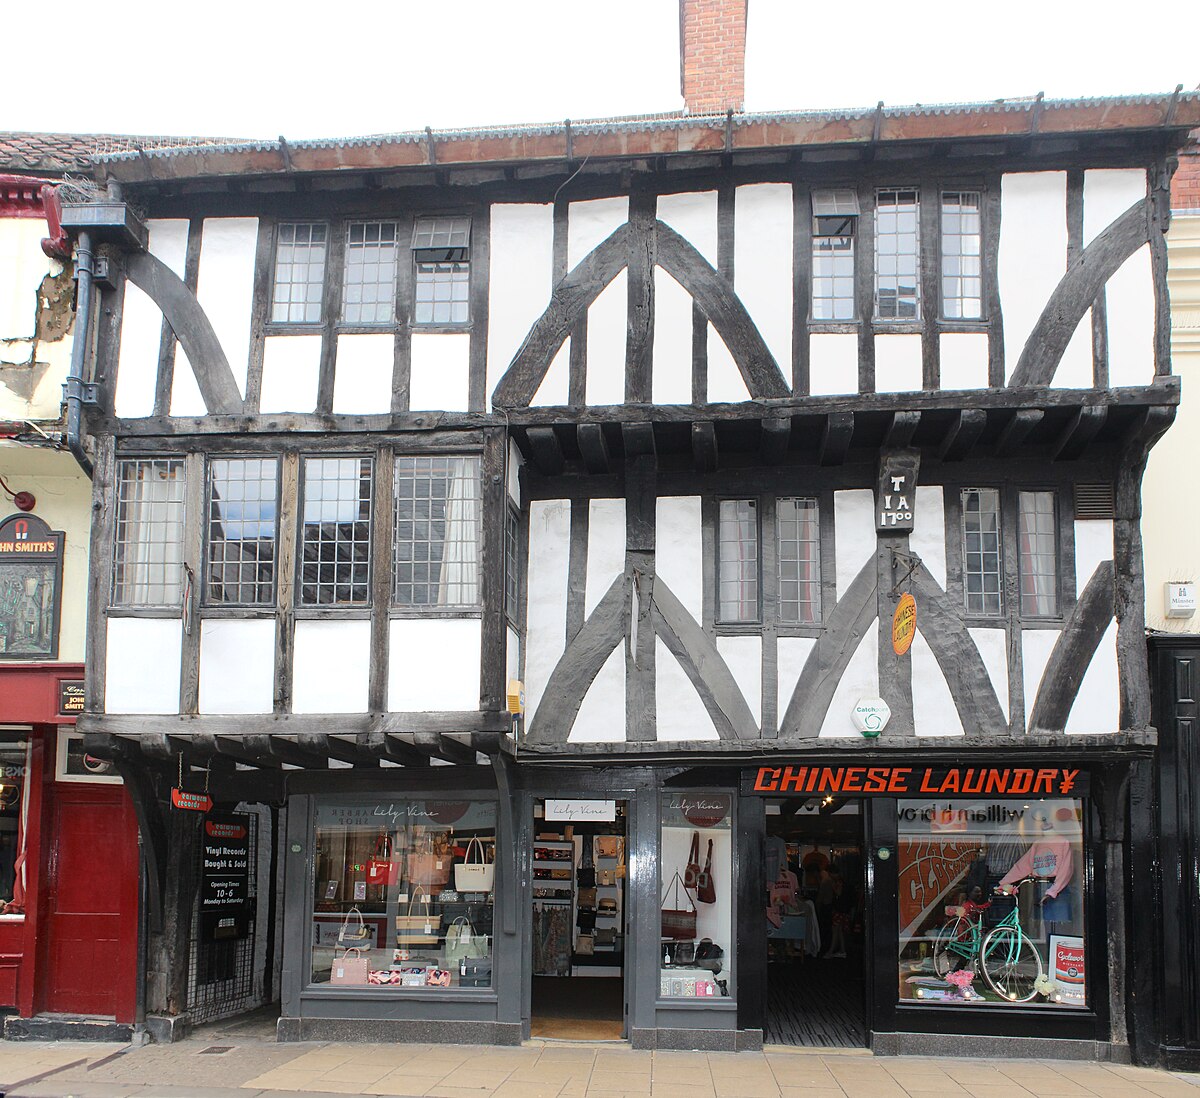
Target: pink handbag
(348,969)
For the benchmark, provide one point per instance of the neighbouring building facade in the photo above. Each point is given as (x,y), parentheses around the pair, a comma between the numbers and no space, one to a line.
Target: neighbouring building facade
(615,564)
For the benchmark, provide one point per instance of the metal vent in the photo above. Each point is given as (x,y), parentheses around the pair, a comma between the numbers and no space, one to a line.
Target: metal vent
(1094,501)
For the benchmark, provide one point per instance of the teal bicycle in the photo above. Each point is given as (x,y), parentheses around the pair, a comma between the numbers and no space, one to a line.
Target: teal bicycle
(1004,956)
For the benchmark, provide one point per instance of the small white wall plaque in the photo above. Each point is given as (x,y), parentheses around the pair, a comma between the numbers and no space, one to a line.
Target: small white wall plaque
(1180,599)
(578,811)
(871,715)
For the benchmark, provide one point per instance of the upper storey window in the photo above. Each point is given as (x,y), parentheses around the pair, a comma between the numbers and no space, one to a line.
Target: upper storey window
(897,254)
(737,561)
(300,254)
(369,283)
(962,275)
(242,507)
(442,273)
(335,533)
(981,550)
(835,226)
(148,544)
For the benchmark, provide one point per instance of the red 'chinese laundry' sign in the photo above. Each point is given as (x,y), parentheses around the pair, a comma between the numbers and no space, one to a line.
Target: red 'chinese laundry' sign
(193,802)
(915,781)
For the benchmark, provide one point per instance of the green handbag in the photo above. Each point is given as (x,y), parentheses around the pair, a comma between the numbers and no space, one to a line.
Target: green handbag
(463,943)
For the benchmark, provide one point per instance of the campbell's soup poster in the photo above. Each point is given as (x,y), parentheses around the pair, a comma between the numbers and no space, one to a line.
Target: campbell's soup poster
(1067,969)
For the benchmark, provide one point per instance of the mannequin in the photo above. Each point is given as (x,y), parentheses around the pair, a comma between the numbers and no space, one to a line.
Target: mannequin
(1050,857)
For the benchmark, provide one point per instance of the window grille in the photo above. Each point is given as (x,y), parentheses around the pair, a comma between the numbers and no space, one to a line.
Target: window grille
(981,550)
(962,285)
(242,505)
(148,543)
(300,253)
(369,281)
(737,561)
(441,258)
(437,531)
(835,225)
(1094,501)
(798,540)
(897,255)
(1038,544)
(336,532)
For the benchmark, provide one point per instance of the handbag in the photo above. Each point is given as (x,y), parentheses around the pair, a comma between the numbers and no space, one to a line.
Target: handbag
(347,969)
(586,873)
(586,921)
(606,877)
(462,941)
(608,846)
(472,876)
(608,905)
(437,977)
(585,945)
(706,891)
(685,953)
(428,866)
(382,977)
(412,977)
(412,929)
(381,870)
(353,933)
(587,897)
(678,922)
(691,872)
(475,972)
(606,937)
(709,956)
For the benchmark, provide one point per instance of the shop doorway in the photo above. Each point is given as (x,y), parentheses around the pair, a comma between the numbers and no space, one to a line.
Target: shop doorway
(579,920)
(816,925)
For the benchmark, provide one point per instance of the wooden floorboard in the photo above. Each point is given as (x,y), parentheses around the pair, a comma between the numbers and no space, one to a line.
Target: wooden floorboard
(816,1004)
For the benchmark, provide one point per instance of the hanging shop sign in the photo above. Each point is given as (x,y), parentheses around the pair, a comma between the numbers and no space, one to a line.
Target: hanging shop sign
(904,624)
(225,877)
(581,811)
(895,492)
(31,564)
(916,781)
(191,802)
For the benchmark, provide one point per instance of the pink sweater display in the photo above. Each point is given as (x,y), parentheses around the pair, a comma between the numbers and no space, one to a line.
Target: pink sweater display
(1049,858)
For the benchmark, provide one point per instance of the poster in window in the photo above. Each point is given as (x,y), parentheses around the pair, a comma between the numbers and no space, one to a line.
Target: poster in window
(31,562)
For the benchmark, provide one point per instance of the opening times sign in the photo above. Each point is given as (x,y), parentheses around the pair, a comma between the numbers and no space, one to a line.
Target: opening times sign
(916,781)
(225,876)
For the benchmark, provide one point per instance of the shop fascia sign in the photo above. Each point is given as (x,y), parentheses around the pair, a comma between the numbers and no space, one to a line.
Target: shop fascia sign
(581,811)
(916,781)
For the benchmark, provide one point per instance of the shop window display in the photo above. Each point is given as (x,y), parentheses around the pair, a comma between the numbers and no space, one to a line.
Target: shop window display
(991,903)
(403,894)
(696,881)
(14,810)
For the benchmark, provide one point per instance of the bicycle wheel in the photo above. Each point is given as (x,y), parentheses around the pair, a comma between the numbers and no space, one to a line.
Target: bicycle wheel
(1011,964)
(951,946)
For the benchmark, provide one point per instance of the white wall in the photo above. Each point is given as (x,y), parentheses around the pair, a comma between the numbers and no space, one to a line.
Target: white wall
(225,288)
(672,382)
(606,337)
(546,595)
(791,655)
(601,717)
(433,663)
(440,371)
(680,713)
(679,559)
(141,671)
(237,665)
(291,369)
(861,680)
(964,360)
(762,265)
(993,650)
(897,363)
(853,533)
(331,666)
(606,549)
(832,364)
(1036,646)
(928,539)
(1097,708)
(743,655)
(362,379)
(934,711)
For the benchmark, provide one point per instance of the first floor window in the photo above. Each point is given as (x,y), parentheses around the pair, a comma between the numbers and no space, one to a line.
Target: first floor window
(737,561)
(961,236)
(512,565)
(835,225)
(242,504)
(897,255)
(148,542)
(1037,542)
(981,550)
(442,270)
(991,902)
(798,541)
(300,251)
(335,532)
(369,278)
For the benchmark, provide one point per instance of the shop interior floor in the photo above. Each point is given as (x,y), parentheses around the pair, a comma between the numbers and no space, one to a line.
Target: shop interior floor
(580,1008)
(817,1004)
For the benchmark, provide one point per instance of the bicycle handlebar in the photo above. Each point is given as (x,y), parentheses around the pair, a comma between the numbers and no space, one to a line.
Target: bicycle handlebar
(1013,889)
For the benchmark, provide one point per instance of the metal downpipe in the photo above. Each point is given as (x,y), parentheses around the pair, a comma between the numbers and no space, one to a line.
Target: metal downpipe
(73,390)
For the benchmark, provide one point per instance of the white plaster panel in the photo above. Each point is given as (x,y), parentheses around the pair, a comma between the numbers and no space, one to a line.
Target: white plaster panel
(898,363)
(679,559)
(362,379)
(743,655)
(928,539)
(1097,708)
(141,324)
(672,382)
(964,360)
(606,549)
(512,654)
(1075,370)
(791,655)
(291,365)
(693,216)
(555,389)
(1129,301)
(680,712)
(1036,646)
(433,663)
(762,263)
(186,399)
(993,650)
(853,534)
(1108,193)
(521,247)
(1093,544)
(225,286)
(330,665)
(591,223)
(833,364)
(141,671)
(23,265)
(934,711)
(439,371)
(237,666)
(515,461)
(606,332)
(546,594)
(861,680)
(725,382)
(601,716)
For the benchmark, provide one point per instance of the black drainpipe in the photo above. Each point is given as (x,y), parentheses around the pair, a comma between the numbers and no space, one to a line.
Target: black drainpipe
(73,390)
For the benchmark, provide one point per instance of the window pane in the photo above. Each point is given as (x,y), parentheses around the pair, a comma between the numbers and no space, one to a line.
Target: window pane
(442,232)
(1038,545)
(897,284)
(981,550)
(336,532)
(959,939)
(379,920)
(737,578)
(961,237)
(512,565)
(833,266)
(241,531)
(798,537)
(437,531)
(442,293)
(148,560)
(369,284)
(300,251)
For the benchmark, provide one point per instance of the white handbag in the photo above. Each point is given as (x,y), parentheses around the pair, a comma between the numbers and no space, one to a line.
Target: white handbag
(472,876)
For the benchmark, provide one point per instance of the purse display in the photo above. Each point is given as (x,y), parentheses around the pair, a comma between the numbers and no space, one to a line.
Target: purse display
(475,973)
(608,846)
(691,872)
(471,876)
(383,977)
(684,953)
(709,956)
(427,866)
(437,977)
(678,922)
(606,877)
(585,945)
(606,937)
(585,920)
(463,942)
(587,897)
(412,977)
(353,931)
(608,905)
(414,928)
(347,969)
(585,875)
(381,870)
(706,891)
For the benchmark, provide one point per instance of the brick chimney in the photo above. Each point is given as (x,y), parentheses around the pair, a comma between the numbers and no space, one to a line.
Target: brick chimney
(712,55)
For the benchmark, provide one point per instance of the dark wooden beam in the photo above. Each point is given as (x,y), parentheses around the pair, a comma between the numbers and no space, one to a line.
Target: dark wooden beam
(546,451)
(835,438)
(901,430)
(1078,433)
(395,749)
(1017,430)
(243,751)
(441,745)
(594,448)
(704,447)
(776,435)
(639,439)
(964,432)
(312,754)
(240,726)
(351,751)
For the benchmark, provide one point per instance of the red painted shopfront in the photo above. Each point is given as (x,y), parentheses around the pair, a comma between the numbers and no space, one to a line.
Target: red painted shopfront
(71,859)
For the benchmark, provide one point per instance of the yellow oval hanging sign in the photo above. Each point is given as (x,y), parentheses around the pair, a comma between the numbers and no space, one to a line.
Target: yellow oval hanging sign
(904,624)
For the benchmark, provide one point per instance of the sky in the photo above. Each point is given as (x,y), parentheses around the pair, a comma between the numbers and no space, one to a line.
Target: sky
(261,68)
